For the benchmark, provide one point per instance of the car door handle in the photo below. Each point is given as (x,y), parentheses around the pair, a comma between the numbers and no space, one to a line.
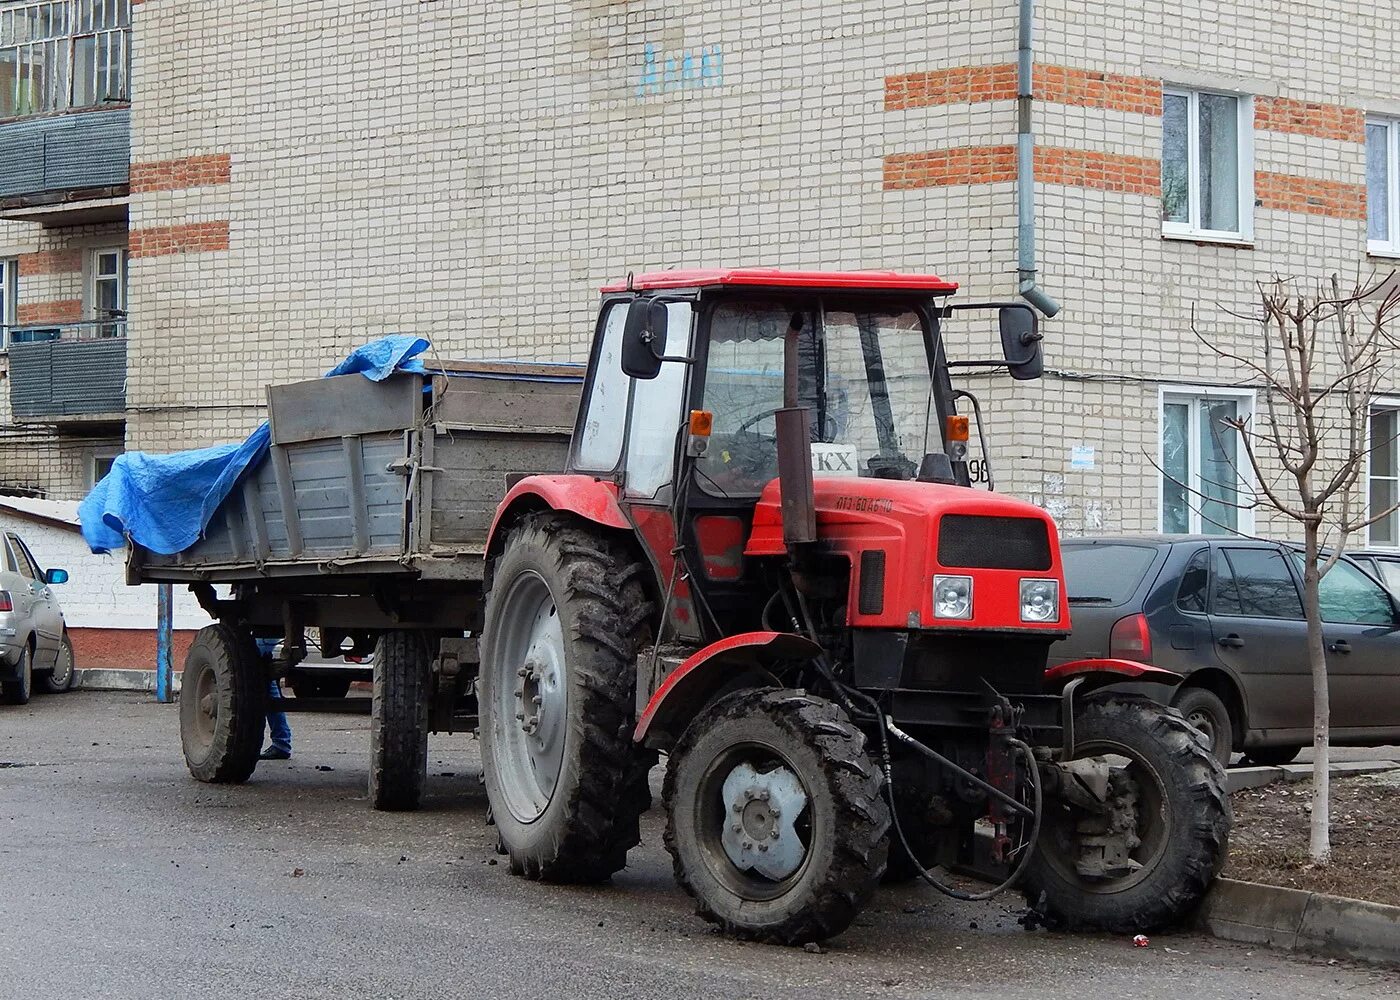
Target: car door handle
(1232,641)
(1340,646)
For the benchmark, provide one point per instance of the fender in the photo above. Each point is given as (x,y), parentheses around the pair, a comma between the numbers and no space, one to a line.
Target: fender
(1096,673)
(588,497)
(704,673)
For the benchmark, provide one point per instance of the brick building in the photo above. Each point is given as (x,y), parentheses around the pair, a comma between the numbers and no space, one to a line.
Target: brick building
(295,179)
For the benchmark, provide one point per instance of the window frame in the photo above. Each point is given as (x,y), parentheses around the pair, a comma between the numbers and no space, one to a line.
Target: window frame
(1389,247)
(1191,229)
(102,324)
(9,299)
(1382,404)
(110,34)
(1246,399)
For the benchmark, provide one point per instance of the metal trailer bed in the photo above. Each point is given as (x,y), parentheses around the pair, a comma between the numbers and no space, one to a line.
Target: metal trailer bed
(363,532)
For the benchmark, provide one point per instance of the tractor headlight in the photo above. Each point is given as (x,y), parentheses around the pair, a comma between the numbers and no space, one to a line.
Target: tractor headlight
(1040,600)
(952,597)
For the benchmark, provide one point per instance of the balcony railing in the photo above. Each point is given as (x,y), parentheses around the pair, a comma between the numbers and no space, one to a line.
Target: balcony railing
(69,372)
(57,55)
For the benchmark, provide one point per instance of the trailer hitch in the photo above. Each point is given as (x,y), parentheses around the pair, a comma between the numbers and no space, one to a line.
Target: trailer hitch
(966,775)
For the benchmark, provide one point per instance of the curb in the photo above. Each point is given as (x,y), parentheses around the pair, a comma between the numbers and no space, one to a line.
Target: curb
(1298,920)
(103,679)
(1240,778)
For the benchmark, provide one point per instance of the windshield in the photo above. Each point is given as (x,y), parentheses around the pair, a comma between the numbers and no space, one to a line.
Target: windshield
(863,374)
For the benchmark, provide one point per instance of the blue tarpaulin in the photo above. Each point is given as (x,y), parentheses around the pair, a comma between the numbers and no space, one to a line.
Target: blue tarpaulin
(164,502)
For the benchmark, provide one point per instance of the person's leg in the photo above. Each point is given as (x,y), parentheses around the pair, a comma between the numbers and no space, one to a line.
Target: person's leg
(279,730)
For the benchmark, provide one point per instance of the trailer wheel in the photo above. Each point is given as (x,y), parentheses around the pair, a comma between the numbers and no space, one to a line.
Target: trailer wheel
(223,702)
(776,816)
(1144,861)
(565,618)
(398,767)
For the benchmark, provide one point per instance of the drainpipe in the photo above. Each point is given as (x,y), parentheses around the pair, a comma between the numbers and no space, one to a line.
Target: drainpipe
(1025,167)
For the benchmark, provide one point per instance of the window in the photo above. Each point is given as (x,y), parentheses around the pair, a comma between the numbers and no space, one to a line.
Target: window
(1207,174)
(600,440)
(656,412)
(1347,596)
(102,460)
(1105,573)
(9,299)
(1383,186)
(1204,471)
(61,54)
(108,293)
(1389,572)
(19,555)
(1195,584)
(1254,583)
(1384,474)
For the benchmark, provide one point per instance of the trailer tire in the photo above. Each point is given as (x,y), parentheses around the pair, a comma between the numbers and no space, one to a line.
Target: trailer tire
(1182,859)
(223,704)
(769,738)
(565,618)
(398,767)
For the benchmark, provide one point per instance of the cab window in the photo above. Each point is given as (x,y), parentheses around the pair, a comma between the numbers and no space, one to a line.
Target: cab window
(600,431)
(656,412)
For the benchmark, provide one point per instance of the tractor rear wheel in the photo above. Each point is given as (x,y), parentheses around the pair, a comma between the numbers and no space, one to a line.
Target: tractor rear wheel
(776,816)
(398,762)
(1143,859)
(223,702)
(565,618)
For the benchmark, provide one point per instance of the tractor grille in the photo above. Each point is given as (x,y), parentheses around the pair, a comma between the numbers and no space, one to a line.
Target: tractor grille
(973,541)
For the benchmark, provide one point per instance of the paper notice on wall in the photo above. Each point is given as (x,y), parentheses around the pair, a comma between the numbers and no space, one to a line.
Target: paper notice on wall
(1081,458)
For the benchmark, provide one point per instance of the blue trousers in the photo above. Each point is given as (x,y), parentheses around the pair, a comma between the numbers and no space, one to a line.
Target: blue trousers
(280,731)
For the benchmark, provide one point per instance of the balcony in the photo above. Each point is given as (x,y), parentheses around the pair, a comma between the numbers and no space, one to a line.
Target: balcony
(69,375)
(65,122)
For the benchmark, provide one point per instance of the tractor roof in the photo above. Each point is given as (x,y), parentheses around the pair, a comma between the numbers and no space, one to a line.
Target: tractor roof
(772,277)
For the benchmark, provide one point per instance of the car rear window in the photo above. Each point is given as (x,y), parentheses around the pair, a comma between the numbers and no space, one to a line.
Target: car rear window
(1105,574)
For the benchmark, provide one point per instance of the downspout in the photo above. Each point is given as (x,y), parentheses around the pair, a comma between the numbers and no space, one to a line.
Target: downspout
(1025,167)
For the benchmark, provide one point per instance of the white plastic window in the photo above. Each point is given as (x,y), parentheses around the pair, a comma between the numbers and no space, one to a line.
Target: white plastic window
(1207,171)
(600,441)
(1383,187)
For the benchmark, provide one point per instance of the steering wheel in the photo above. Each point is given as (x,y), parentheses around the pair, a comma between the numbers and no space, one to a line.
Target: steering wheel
(763,415)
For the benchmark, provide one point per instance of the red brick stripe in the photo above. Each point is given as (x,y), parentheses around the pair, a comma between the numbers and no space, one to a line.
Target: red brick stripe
(50,262)
(1102,171)
(186,172)
(1058,84)
(1323,121)
(942,167)
(57,311)
(195,237)
(1310,195)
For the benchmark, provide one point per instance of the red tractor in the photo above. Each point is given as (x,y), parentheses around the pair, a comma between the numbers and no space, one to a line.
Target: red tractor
(765,561)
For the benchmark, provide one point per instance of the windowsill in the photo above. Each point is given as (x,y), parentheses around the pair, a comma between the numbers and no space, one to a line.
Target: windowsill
(1213,239)
(1384,252)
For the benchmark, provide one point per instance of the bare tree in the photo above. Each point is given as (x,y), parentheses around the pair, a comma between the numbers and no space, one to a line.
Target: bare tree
(1319,358)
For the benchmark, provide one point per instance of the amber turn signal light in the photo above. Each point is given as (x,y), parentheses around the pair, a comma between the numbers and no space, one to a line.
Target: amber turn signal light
(957,429)
(701,423)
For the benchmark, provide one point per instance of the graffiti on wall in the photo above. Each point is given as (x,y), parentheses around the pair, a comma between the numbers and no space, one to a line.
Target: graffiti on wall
(689,69)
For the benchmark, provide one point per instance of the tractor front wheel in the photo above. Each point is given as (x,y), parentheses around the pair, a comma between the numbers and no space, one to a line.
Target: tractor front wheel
(776,816)
(1135,827)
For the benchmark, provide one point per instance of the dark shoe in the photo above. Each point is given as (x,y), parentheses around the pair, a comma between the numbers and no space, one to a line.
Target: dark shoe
(275,753)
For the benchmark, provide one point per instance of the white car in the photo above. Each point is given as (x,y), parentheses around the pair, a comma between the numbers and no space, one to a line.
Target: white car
(33,639)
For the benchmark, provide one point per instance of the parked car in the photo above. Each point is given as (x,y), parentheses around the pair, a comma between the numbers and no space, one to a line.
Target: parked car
(1227,613)
(33,640)
(1383,564)
(321,676)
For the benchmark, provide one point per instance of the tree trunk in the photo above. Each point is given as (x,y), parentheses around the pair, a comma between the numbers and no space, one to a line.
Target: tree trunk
(1320,841)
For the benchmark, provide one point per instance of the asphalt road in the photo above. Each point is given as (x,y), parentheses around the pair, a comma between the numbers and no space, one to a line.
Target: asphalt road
(120,877)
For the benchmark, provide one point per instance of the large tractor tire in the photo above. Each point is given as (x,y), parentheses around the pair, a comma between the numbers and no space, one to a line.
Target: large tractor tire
(223,703)
(19,690)
(1166,802)
(398,765)
(565,618)
(776,816)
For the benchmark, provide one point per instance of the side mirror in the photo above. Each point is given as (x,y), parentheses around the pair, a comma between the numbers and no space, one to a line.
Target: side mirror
(1020,342)
(644,338)
(56,576)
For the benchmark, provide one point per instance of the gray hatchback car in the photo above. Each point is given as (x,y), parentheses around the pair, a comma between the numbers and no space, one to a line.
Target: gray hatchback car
(33,639)
(1227,613)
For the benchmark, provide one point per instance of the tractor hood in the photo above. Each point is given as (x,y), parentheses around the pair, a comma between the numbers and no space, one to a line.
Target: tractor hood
(996,555)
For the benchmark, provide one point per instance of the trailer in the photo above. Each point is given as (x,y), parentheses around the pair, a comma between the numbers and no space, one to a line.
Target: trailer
(363,532)
(744,538)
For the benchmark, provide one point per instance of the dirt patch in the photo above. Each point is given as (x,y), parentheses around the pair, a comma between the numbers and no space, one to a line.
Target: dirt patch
(1270,840)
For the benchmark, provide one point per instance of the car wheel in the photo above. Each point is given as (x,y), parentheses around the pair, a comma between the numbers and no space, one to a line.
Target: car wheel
(64,676)
(1207,713)
(17,691)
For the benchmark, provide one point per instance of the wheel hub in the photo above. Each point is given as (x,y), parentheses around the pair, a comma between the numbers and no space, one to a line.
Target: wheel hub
(760,810)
